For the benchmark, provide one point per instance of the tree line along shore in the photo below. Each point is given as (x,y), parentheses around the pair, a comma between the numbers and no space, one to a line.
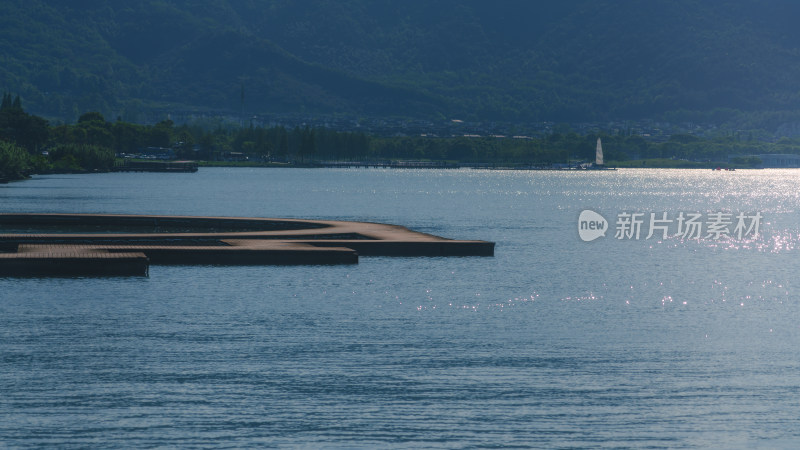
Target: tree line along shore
(29,144)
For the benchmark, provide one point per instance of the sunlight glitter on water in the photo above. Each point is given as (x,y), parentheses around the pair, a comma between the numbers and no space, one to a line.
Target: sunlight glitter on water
(615,343)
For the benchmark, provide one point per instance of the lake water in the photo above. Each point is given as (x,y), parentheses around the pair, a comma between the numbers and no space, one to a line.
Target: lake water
(553,342)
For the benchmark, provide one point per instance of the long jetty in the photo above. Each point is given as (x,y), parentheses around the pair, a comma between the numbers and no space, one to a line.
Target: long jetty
(446,165)
(387,164)
(154,166)
(102,245)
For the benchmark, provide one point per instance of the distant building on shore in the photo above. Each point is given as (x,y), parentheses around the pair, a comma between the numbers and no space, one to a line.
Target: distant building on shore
(779,161)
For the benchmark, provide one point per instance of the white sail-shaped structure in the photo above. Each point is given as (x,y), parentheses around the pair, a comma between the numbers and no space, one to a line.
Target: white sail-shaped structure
(599,154)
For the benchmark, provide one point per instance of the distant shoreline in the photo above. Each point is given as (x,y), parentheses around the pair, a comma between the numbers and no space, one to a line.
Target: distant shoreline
(636,164)
(451,166)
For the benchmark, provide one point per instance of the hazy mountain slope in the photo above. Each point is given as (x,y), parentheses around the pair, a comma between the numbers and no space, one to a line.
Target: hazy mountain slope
(514,60)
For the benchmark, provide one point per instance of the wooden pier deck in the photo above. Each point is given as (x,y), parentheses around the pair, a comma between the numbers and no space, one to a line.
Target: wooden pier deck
(85,244)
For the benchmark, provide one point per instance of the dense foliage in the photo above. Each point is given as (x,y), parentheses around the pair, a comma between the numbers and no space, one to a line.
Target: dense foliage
(518,60)
(28,144)
(15,162)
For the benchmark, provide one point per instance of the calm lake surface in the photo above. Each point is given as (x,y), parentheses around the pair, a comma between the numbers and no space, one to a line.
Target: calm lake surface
(554,342)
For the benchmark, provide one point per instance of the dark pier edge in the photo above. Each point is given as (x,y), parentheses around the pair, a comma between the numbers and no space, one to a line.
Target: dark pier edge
(111,245)
(155,166)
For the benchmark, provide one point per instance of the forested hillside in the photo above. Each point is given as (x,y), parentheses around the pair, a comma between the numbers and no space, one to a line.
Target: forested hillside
(514,61)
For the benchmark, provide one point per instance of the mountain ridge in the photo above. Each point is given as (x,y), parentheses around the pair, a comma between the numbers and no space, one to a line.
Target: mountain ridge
(514,61)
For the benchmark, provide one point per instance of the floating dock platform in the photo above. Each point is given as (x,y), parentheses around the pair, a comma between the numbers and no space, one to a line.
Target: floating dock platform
(106,245)
(63,262)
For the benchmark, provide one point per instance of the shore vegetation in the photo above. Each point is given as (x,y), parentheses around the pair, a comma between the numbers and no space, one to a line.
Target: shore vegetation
(30,144)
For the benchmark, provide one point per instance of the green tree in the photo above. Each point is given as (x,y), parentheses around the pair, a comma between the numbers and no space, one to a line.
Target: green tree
(161,135)
(308,143)
(82,157)
(207,146)
(283,143)
(15,162)
(185,144)
(96,130)
(128,137)
(17,126)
